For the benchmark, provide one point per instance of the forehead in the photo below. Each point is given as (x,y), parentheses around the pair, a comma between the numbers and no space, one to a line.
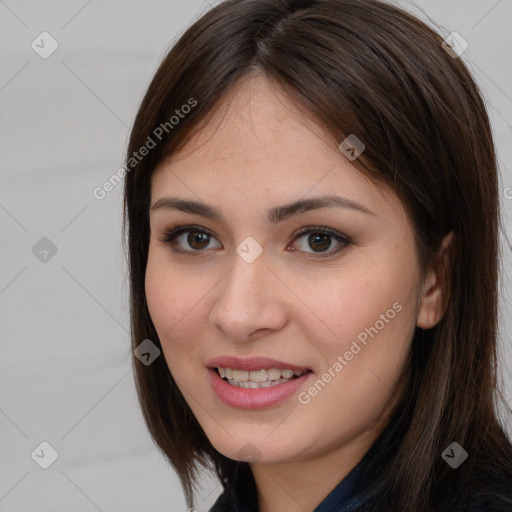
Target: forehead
(253,121)
(259,143)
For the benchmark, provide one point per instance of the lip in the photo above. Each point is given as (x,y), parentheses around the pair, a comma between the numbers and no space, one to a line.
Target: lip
(252,363)
(243,398)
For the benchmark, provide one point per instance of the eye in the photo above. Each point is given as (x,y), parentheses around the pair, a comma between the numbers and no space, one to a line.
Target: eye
(198,239)
(320,239)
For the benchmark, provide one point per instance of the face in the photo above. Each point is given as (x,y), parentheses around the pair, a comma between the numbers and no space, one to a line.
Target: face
(337,301)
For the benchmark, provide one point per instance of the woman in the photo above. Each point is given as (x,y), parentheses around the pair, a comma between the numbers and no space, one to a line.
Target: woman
(312,214)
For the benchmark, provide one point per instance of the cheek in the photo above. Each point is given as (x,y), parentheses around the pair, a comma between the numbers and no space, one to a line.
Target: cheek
(373,305)
(161,296)
(173,306)
(372,317)
(171,293)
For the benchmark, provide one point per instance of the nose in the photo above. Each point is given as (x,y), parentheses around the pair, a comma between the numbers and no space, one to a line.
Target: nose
(250,301)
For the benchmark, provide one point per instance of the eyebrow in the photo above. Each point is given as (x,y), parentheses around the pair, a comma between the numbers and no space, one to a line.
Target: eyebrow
(274,215)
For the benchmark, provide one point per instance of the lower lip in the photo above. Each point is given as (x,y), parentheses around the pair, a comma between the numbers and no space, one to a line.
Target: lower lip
(260,398)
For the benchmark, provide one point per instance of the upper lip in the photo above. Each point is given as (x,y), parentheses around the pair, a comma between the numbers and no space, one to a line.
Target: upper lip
(252,363)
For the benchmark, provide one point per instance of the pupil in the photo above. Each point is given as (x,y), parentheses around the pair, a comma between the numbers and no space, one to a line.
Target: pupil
(315,237)
(197,238)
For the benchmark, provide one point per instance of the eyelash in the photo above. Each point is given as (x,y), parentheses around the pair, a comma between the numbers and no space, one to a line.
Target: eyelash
(173,232)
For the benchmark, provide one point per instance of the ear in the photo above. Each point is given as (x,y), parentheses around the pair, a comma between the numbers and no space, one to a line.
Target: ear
(435,289)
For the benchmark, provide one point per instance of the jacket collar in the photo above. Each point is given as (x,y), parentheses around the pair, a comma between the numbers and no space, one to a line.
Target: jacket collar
(348,495)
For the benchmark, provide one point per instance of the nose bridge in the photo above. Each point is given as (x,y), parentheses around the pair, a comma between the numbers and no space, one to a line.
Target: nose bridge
(246,300)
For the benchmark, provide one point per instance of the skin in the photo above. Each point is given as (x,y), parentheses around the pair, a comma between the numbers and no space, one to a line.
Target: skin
(259,151)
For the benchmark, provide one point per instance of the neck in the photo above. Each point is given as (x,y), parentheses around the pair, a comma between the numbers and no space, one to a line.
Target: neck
(303,484)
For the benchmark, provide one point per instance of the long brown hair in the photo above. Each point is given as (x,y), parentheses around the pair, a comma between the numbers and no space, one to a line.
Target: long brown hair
(368,68)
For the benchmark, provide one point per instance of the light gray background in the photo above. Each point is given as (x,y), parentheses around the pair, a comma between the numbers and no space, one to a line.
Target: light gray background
(65,372)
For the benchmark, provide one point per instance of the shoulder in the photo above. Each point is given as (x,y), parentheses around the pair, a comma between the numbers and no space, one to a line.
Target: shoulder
(492,501)
(223,503)
(491,497)
(491,490)
(488,486)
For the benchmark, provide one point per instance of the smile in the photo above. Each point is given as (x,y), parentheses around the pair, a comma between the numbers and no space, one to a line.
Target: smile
(257,379)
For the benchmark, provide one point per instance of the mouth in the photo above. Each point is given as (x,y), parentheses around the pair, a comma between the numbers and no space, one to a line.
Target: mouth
(255,382)
(257,379)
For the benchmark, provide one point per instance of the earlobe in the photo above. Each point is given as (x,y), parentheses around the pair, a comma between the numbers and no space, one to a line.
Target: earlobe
(435,290)
(429,314)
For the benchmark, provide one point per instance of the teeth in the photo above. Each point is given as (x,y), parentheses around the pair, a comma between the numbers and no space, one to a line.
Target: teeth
(258,378)
(240,375)
(248,385)
(256,385)
(274,374)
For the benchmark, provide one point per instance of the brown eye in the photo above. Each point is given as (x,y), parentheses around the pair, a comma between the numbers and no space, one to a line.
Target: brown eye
(193,240)
(198,240)
(320,240)
(188,239)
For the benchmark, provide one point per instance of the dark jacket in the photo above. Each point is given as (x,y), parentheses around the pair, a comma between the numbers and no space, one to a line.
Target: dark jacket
(341,499)
(351,494)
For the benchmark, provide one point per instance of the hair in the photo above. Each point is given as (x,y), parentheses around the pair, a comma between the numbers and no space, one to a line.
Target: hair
(367,68)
